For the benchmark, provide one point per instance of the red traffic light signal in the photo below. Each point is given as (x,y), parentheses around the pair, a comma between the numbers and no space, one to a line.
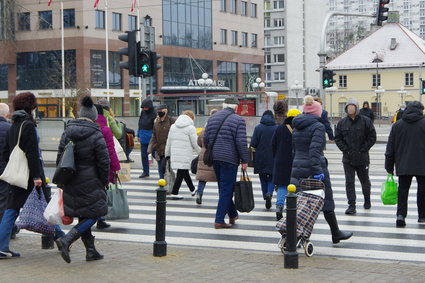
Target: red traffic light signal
(380,13)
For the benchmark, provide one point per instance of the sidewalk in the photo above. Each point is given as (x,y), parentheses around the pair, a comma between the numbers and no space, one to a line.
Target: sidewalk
(133,262)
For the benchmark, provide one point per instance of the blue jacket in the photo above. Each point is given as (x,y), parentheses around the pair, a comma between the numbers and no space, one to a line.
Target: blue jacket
(262,142)
(282,153)
(231,145)
(4,128)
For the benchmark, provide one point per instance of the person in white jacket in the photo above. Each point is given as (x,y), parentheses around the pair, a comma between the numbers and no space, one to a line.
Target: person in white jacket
(181,142)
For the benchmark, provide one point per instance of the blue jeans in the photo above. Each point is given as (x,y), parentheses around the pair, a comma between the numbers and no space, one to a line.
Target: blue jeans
(128,151)
(226,177)
(282,191)
(145,158)
(160,171)
(201,187)
(6,226)
(84,224)
(266,184)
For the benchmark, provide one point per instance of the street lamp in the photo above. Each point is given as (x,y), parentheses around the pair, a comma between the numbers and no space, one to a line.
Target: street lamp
(402,93)
(205,82)
(331,91)
(379,91)
(258,83)
(377,60)
(297,88)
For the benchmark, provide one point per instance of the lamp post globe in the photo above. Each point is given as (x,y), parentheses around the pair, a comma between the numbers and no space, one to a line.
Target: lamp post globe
(255,85)
(204,76)
(262,84)
(258,80)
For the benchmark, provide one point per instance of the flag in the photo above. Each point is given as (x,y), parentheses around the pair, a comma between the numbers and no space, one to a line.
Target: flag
(95,4)
(50,2)
(133,6)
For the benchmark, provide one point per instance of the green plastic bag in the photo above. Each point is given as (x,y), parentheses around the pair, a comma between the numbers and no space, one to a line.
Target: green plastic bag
(389,191)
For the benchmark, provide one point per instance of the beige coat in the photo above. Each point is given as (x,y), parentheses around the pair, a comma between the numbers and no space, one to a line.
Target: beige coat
(204,173)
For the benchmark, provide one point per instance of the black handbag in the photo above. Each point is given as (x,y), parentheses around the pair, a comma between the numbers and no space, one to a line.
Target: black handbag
(194,165)
(244,195)
(208,155)
(251,155)
(66,167)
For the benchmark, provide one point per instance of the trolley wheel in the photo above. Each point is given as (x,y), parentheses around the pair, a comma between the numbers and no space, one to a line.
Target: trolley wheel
(309,248)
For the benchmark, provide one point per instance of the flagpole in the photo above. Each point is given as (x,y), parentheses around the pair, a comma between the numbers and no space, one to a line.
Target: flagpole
(140,38)
(107,49)
(63,60)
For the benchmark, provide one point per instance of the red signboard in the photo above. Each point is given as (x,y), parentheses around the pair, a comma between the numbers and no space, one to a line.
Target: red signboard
(246,108)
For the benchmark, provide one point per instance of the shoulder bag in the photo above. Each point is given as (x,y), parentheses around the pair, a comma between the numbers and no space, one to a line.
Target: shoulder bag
(66,167)
(17,171)
(208,155)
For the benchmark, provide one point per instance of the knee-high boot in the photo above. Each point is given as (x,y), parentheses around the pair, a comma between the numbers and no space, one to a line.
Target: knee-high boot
(66,241)
(91,252)
(337,235)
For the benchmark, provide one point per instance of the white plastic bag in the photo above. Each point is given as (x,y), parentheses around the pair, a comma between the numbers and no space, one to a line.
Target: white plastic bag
(119,150)
(52,212)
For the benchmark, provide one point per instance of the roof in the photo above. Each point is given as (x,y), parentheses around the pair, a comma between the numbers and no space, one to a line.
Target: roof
(409,50)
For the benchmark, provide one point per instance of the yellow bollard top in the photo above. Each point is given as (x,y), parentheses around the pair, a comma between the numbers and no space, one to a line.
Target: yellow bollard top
(47,180)
(292,188)
(162,182)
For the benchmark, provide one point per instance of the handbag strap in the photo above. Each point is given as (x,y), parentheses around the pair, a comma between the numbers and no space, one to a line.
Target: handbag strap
(218,130)
(390,176)
(244,173)
(289,128)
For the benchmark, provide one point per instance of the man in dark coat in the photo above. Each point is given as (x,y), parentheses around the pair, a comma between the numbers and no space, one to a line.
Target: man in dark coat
(354,136)
(4,128)
(366,111)
(405,150)
(263,165)
(229,150)
(146,121)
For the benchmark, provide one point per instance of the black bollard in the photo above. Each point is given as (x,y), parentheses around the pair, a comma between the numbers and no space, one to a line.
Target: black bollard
(47,242)
(160,245)
(291,254)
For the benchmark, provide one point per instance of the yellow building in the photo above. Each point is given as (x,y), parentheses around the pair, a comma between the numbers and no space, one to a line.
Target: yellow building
(384,69)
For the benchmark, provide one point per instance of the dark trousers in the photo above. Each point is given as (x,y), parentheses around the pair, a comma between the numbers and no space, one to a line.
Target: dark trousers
(363,175)
(182,174)
(404,183)
(226,177)
(145,158)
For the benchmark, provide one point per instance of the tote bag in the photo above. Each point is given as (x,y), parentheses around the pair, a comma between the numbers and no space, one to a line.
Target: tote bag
(125,172)
(31,217)
(117,203)
(389,191)
(17,171)
(118,149)
(244,196)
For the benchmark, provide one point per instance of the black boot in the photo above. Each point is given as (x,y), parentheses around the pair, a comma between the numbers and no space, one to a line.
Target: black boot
(91,252)
(198,198)
(101,224)
(337,235)
(367,204)
(66,241)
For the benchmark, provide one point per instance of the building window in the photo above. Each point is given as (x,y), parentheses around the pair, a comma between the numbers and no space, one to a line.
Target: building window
(45,19)
(278,23)
(69,18)
(24,21)
(223,36)
(132,22)
(249,73)
(374,80)
(253,10)
(267,23)
(279,58)
(408,79)
(3,77)
(278,4)
(268,76)
(254,39)
(267,58)
(233,6)
(244,8)
(100,19)
(116,21)
(279,76)
(223,5)
(343,81)
(234,37)
(98,69)
(278,40)
(244,39)
(227,71)
(179,71)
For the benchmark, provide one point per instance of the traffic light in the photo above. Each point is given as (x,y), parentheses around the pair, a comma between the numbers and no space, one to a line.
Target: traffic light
(422,86)
(131,51)
(154,63)
(144,63)
(328,78)
(380,14)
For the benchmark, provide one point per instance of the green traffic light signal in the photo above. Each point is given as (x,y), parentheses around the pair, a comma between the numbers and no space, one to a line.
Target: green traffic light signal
(145,69)
(423,87)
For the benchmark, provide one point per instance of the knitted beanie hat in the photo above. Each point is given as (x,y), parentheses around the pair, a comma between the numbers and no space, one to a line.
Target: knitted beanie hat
(311,106)
(104,103)
(293,113)
(87,109)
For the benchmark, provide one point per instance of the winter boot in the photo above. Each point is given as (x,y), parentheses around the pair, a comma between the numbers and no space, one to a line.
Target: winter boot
(367,204)
(198,198)
(337,235)
(351,209)
(66,241)
(268,201)
(279,212)
(91,252)
(102,224)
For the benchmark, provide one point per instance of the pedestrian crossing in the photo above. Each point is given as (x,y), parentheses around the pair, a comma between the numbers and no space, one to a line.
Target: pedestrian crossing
(375,235)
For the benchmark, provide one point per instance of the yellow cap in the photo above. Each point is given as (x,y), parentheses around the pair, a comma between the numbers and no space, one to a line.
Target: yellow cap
(162,182)
(293,113)
(292,188)
(47,180)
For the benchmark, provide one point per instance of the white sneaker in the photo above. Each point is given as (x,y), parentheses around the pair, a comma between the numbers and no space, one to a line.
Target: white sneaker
(176,197)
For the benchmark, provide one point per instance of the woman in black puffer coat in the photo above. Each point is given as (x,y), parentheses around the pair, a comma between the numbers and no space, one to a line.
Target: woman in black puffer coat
(309,161)
(85,196)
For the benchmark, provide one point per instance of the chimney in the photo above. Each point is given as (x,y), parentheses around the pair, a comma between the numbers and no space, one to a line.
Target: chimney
(393,44)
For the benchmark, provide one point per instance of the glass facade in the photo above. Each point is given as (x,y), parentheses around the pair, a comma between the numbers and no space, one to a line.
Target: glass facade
(187,23)
(179,71)
(45,19)
(69,18)
(43,70)
(227,71)
(24,21)
(3,77)
(249,73)
(98,69)
(100,19)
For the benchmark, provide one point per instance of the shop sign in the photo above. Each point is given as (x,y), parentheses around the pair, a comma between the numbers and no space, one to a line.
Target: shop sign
(215,83)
